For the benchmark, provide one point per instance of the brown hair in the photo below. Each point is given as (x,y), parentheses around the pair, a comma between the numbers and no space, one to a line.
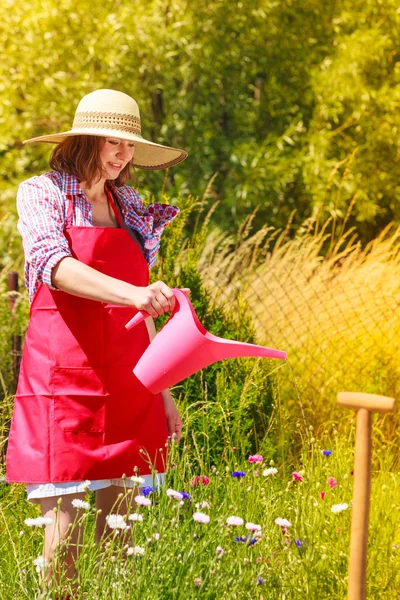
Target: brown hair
(79,155)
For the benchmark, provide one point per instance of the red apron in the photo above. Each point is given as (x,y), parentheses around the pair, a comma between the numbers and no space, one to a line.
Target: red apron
(79,411)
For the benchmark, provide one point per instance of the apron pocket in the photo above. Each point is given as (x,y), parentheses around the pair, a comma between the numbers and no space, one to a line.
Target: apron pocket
(79,399)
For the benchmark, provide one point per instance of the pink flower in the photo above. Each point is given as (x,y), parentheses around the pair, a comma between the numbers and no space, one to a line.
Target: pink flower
(331,481)
(296,476)
(197,480)
(283,522)
(256,458)
(322,495)
(142,501)
(253,527)
(234,521)
(201,517)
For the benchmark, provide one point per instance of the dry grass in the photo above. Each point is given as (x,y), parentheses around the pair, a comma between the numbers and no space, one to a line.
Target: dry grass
(333,306)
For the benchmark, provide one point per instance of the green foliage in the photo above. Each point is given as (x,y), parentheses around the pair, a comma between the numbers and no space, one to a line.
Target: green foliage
(232,399)
(294,104)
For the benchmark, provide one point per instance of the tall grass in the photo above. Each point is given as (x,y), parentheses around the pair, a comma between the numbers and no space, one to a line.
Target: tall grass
(330,303)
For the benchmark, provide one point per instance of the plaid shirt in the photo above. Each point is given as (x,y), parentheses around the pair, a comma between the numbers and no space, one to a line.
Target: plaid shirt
(42,210)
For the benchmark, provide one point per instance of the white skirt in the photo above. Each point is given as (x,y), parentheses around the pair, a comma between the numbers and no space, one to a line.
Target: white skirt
(36,491)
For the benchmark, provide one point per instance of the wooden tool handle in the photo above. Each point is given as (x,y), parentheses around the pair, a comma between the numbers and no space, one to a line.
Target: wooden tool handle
(372,402)
(360,509)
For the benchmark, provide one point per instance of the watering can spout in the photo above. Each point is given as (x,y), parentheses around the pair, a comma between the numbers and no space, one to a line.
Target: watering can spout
(184,346)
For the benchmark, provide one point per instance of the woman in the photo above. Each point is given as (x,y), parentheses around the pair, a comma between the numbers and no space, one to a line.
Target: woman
(81,419)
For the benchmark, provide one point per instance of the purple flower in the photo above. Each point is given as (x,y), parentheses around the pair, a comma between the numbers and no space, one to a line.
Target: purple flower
(300,543)
(185,495)
(147,490)
(249,540)
(238,474)
(326,452)
(260,581)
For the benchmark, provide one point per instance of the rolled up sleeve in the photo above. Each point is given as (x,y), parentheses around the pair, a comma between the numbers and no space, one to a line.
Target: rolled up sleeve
(41,224)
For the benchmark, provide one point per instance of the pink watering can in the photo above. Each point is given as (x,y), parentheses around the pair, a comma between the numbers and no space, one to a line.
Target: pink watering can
(183,346)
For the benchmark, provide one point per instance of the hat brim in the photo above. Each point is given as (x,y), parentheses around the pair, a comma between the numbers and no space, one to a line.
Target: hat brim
(149,156)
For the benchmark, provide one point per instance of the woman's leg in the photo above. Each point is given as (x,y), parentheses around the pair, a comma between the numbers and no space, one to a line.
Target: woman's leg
(112,500)
(63,515)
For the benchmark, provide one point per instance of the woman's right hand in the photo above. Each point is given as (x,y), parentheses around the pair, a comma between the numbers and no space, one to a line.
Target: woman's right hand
(156,299)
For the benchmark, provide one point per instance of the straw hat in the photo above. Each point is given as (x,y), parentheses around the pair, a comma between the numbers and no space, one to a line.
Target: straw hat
(108,113)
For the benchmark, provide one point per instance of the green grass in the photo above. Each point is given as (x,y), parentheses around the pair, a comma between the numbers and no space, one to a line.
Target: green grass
(184,562)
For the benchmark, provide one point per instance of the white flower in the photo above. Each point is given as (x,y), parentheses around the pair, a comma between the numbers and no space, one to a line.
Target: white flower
(174,494)
(135,517)
(253,527)
(270,471)
(137,550)
(142,501)
(86,484)
(283,522)
(116,522)
(337,508)
(38,522)
(234,521)
(80,504)
(203,504)
(201,517)
(220,551)
(137,480)
(40,563)
(156,536)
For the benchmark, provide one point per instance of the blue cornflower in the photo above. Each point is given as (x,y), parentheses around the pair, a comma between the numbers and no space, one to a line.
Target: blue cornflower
(326,452)
(260,581)
(300,543)
(238,474)
(148,490)
(185,495)
(249,540)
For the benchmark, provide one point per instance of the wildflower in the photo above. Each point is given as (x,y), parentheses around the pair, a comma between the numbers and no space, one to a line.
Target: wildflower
(197,480)
(296,476)
(86,485)
(116,522)
(299,543)
(283,522)
(234,521)
(38,522)
(137,480)
(142,501)
(270,471)
(201,517)
(136,550)
(220,551)
(40,563)
(175,495)
(337,508)
(135,517)
(185,495)
(253,527)
(147,490)
(255,458)
(249,540)
(77,503)
(238,474)
(322,495)
(156,536)
(203,504)
(260,581)
(331,481)
(197,582)
(326,452)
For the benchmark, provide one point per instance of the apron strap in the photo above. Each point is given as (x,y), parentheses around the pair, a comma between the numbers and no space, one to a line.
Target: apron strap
(120,218)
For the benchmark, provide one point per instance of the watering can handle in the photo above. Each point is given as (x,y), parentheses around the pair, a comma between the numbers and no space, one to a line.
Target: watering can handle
(140,317)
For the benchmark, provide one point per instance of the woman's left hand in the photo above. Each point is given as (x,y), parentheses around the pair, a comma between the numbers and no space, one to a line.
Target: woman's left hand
(174,421)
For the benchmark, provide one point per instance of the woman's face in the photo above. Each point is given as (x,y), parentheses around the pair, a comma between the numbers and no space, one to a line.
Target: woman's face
(115,155)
